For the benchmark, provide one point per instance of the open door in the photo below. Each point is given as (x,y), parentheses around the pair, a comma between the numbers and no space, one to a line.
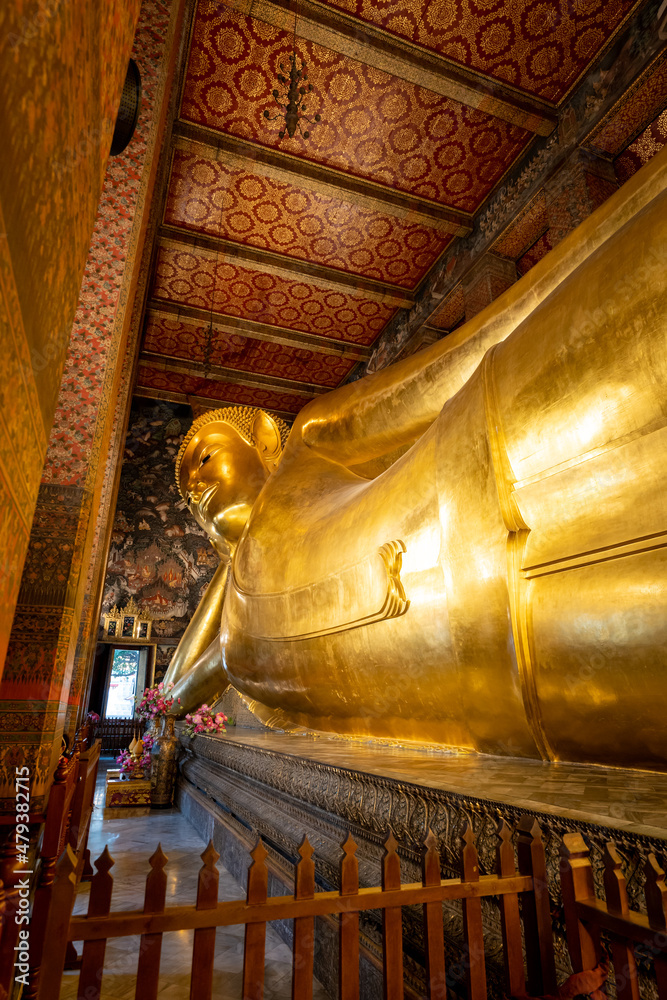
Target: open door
(126,678)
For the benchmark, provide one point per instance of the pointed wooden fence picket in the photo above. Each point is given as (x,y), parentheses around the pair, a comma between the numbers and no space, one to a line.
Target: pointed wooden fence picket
(524,912)
(67,821)
(155,920)
(586,917)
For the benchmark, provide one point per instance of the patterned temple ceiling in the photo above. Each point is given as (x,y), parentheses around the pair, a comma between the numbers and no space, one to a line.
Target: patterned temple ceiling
(540,47)
(278,263)
(428,145)
(245,207)
(199,279)
(187,340)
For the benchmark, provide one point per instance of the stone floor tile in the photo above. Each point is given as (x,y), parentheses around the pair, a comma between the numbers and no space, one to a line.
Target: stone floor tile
(131,842)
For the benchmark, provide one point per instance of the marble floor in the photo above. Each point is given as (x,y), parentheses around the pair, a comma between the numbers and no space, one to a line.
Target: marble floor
(614,797)
(131,841)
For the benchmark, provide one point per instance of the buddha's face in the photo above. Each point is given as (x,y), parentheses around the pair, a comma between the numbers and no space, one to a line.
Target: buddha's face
(221,476)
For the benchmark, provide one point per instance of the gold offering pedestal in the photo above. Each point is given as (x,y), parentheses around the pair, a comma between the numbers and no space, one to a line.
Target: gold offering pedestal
(128,796)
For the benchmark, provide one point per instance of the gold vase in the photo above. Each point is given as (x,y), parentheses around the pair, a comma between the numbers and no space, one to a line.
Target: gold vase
(152,728)
(164,764)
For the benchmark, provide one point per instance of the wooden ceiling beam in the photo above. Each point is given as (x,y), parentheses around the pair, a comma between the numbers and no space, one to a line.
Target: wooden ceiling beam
(371,45)
(275,263)
(260,331)
(218,373)
(146,392)
(286,168)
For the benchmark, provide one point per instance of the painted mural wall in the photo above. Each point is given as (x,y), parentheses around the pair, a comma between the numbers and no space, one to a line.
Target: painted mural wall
(159,555)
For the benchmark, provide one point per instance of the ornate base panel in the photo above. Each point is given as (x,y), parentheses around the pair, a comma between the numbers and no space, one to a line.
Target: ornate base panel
(234,838)
(130,793)
(250,790)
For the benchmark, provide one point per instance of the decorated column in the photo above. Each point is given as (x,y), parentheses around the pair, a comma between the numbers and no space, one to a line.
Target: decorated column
(53,613)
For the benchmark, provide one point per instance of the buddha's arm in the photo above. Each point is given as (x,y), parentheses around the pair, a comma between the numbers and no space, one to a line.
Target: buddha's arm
(204,681)
(387,411)
(203,629)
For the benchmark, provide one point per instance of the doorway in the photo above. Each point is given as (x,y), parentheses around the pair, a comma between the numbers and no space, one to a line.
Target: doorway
(121,672)
(126,677)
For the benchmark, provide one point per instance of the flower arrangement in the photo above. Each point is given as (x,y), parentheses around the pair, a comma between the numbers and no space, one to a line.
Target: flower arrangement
(126,763)
(155,702)
(93,717)
(205,720)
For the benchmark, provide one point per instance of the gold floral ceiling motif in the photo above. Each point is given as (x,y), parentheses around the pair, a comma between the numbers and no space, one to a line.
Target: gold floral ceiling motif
(186,278)
(279,263)
(186,339)
(266,213)
(428,145)
(541,47)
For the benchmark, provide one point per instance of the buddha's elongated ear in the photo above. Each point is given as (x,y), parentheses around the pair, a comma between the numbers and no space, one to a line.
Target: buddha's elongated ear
(266,435)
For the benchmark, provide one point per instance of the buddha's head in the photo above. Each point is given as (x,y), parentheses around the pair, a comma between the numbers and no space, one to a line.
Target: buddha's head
(224,461)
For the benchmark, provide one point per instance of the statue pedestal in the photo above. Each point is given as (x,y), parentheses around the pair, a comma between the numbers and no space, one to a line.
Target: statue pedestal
(243,783)
(126,796)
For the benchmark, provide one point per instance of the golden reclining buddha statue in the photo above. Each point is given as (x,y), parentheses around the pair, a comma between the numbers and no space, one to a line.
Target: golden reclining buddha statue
(467,549)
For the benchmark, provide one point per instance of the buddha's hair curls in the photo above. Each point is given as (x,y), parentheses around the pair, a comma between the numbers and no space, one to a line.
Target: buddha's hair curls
(241,418)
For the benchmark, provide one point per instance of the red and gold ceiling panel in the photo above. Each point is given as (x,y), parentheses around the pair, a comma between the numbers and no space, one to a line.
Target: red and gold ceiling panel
(643,102)
(427,145)
(541,46)
(187,276)
(150,377)
(642,149)
(538,250)
(244,207)
(181,339)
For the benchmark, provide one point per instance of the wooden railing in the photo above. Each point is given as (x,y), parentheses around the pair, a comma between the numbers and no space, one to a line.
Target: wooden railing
(115,735)
(66,823)
(82,806)
(528,953)
(586,916)
(522,893)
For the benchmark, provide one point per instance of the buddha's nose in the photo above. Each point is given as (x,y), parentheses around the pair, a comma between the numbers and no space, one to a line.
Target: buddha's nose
(195,491)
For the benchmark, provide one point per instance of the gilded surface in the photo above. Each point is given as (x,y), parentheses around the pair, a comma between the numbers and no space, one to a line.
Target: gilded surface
(521,464)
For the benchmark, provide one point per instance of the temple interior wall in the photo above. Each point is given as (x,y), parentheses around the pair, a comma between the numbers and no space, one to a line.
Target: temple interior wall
(70,354)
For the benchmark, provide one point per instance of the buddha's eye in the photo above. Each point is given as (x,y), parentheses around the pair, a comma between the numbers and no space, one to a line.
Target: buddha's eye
(204,460)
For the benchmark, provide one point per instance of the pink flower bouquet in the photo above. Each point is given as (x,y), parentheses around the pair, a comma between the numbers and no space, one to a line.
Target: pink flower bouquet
(155,702)
(205,720)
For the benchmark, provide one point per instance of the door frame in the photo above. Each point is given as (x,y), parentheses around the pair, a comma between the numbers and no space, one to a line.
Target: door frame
(113,644)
